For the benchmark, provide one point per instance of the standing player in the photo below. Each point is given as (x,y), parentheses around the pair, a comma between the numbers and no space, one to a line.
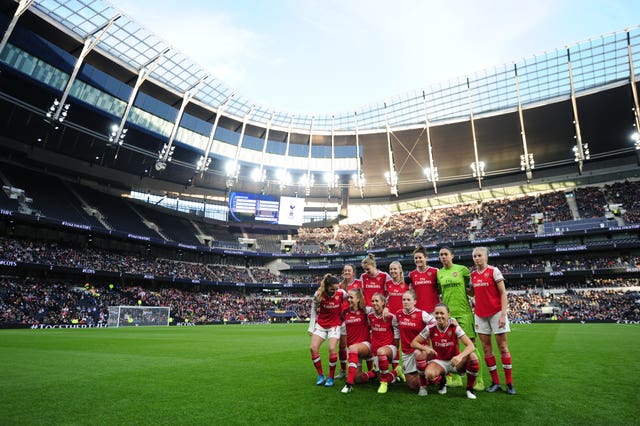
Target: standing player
(384,340)
(325,324)
(396,287)
(444,353)
(453,282)
(358,338)
(424,281)
(491,316)
(373,280)
(349,282)
(411,321)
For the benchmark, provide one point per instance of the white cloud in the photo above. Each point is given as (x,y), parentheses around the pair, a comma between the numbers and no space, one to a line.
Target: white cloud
(336,55)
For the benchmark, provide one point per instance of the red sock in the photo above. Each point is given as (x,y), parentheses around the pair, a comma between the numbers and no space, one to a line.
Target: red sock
(342,354)
(422,380)
(333,360)
(370,364)
(315,357)
(490,360)
(365,376)
(473,366)
(396,360)
(421,365)
(389,377)
(383,365)
(353,367)
(506,365)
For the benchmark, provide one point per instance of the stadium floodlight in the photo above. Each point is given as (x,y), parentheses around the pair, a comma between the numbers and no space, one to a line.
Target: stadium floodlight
(306,180)
(331,179)
(477,168)
(392,180)
(635,137)
(259,174)
(116,135)
(56,113)
(203,165)
(232,168)
(431,174)
(585,155)
(283,177)
(165,155)
(527,162)
(358,180)
(136,316)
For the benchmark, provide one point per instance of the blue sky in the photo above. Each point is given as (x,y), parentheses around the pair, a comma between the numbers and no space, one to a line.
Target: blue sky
(326,56)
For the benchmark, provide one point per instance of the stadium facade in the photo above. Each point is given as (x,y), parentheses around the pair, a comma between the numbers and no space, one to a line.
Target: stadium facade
(90,98)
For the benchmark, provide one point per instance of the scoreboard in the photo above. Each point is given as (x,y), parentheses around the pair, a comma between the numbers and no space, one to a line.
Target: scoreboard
(269,209)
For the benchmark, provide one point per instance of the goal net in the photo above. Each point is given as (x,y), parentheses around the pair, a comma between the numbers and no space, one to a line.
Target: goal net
(134,316)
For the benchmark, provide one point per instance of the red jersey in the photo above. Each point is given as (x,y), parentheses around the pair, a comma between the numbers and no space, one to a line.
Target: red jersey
(410,325)
(354,284)
(372,285)
(357,326)
(444,342)
(327,312)
(383,331)
(394,295)
(485,290)
(426,287)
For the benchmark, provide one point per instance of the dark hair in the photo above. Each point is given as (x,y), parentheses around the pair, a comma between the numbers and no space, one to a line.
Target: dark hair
(358,293)
(344,283)
(446,248)
(327,281)
(420,249)
(444,305)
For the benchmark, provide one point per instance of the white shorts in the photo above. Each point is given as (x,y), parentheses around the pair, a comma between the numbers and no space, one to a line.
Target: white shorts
(343,329)
(327,333)
(488,325)
(394,351)
(409,363)
(446,365)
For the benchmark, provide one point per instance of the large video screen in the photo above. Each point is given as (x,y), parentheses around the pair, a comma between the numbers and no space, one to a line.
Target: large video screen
(244,207)
(291,211)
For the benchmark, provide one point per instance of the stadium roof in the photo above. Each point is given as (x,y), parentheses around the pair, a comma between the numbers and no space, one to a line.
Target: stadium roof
(541,106)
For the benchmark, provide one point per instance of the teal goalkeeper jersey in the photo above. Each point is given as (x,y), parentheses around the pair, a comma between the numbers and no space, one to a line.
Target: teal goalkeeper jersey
(452,283)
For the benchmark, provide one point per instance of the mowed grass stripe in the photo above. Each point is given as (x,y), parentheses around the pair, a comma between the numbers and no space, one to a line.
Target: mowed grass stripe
(263,374)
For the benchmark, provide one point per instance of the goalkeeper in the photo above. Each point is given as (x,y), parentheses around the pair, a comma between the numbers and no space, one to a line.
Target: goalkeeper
(453,284)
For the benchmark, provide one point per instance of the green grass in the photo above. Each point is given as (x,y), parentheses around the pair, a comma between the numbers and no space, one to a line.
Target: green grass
(564,373)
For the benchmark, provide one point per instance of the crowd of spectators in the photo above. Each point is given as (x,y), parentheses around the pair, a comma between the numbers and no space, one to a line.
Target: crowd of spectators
(590,305)
(39,302)
(47,253)
(475,220)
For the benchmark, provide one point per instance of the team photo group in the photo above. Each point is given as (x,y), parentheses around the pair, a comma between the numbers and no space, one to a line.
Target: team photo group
(419,329)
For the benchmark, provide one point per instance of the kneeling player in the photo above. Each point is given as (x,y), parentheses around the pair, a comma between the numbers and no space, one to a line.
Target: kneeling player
(444,356)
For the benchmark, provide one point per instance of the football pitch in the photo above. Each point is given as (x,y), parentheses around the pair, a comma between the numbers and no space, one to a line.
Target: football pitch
(584,374)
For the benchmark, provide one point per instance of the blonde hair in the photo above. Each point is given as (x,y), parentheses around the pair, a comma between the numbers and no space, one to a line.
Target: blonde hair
(402,278)
(482,248)
(381,296)
(369,260)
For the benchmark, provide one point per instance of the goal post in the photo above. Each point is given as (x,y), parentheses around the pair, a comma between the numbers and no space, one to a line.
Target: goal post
(135,316)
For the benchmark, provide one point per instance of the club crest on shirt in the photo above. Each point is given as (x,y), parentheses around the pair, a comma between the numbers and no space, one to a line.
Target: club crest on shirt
(455,274)
(486,274)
